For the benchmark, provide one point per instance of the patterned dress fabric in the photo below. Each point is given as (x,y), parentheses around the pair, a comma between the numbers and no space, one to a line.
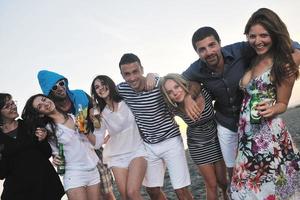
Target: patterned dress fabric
(267,164)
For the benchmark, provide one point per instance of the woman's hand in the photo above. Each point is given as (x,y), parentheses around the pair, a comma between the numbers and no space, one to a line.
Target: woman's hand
(266,108)
(56,160)
(41,133)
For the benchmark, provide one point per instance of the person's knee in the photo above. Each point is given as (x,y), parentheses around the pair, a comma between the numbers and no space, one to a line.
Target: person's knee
(132,193)
(183,193)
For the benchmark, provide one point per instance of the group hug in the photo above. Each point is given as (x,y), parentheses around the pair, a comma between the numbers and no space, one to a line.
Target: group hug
(230,99)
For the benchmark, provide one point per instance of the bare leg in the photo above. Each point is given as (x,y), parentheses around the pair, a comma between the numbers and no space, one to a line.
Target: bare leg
(207,171)
(221,177)
(137,170)
(78,193)
(121,175)
(156,193)
(184,194)
(93,192)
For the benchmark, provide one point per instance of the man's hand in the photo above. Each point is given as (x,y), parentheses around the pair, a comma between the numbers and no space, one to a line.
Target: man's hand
(191,108)
(150,81)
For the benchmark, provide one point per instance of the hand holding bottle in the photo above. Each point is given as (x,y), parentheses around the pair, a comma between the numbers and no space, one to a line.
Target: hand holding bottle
(265,108)
(59,160)
(96,117)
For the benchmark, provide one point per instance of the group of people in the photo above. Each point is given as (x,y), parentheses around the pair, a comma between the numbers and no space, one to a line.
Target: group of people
(213,96)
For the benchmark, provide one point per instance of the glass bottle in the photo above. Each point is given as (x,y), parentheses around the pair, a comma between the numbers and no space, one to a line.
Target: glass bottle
(254,116)
(81,119)
(61,167)
(97,117)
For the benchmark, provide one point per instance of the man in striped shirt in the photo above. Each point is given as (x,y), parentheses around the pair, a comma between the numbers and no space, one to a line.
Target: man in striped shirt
(158,129)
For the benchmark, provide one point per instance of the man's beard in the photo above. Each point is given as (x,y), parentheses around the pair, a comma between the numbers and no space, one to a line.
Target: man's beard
(57,98)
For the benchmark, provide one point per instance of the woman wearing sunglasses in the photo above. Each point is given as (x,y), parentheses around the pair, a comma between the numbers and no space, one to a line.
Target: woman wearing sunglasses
(24,158)
(81,178)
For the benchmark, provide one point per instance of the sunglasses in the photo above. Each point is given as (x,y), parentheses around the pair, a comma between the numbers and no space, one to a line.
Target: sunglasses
(60,83)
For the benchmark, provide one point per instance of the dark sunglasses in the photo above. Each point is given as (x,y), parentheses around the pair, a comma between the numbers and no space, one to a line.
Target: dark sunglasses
(60,83)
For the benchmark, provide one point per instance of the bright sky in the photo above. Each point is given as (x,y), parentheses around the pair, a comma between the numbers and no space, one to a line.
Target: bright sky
(81,39)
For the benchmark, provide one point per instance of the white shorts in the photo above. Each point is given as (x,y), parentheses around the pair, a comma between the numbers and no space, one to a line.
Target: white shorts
(123,160)
(171,154)
(228,142)
(76,178)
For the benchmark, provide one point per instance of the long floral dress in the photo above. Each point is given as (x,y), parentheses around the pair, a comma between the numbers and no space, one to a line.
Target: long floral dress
(267,164)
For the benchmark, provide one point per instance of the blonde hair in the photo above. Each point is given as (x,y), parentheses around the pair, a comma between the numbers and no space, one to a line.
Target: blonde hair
(179,80)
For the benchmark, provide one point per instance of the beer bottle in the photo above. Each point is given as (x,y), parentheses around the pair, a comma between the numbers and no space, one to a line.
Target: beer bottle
(254,116)
(81,119)
(97,117)
(61,167)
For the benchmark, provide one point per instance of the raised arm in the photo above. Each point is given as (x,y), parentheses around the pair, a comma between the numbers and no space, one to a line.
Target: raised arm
(97,138)
(151,81)
(191,107)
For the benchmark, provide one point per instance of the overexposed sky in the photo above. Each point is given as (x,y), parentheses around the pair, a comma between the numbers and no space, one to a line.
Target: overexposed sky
(83,38)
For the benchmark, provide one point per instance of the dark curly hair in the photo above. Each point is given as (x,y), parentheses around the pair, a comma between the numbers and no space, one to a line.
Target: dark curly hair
(34,119)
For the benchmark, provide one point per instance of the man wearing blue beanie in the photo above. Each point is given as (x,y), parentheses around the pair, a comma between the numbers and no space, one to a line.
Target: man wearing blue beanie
(55,86)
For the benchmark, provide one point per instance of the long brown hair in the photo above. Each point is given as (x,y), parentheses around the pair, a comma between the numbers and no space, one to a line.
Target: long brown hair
(282,44)
(34,119)
(111,86)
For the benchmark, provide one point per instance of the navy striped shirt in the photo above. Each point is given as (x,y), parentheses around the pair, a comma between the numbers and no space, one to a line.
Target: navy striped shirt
(204,129)
(155,121)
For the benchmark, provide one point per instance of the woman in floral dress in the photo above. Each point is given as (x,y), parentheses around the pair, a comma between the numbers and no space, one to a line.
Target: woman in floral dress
(267,164)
